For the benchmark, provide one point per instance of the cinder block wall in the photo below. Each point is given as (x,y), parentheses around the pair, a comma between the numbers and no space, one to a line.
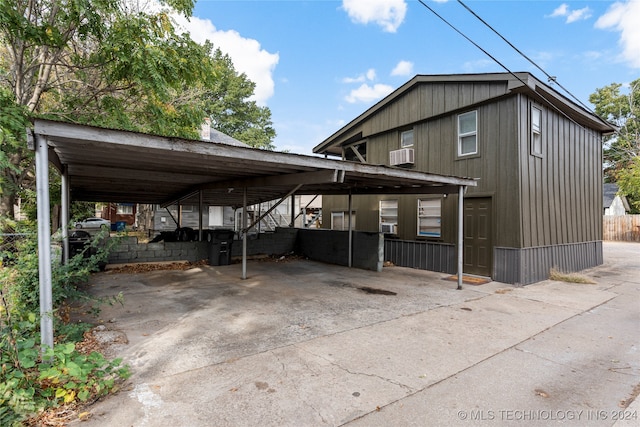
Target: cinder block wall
(129,250)
(332,247)
(328,246)
(281,242)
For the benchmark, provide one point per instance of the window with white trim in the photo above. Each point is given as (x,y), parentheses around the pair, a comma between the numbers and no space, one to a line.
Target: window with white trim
(340,220)
(406,139)
(125,210)
(536,131)
(389,216)
(468,133)
(429,217)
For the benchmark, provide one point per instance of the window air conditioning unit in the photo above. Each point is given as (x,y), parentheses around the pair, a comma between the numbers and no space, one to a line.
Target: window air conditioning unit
(404,156)
(388,228)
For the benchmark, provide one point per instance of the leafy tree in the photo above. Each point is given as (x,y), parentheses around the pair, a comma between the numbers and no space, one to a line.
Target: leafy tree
(629,183)
(230,110)
(622,150)
(623,110)
(108,63)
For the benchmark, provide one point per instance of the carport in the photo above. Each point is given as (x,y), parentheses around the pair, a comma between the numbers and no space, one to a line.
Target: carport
(100,165)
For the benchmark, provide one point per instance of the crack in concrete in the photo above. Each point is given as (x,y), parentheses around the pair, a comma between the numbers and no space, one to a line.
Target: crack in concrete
(298,394)
(337,365)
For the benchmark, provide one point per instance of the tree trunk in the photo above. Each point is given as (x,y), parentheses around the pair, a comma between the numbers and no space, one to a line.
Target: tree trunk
(7,202)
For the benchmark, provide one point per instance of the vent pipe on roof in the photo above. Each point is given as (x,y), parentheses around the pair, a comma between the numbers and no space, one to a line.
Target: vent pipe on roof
(205,129)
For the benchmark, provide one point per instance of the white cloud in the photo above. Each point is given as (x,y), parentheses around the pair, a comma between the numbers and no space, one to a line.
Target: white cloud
(366,93)
(624,18)
(403,68)
(388,14)
(579,15)
(477,65)
(571,15)
(369,75)
(560,10)
(247,55)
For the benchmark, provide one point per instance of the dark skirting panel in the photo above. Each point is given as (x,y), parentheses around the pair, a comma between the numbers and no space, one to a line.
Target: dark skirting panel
(440,257)
(530,265)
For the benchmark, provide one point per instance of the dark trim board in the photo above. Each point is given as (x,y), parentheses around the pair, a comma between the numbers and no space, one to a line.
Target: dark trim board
(529,265)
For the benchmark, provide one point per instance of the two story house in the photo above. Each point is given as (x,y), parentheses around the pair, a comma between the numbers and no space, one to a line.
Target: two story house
(537,158)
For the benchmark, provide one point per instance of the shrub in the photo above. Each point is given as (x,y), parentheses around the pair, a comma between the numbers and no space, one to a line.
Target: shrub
(34,379)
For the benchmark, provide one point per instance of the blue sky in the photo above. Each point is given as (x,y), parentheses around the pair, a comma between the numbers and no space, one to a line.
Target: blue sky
(319,64)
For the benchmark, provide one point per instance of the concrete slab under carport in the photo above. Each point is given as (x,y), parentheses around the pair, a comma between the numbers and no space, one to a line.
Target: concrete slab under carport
(298,344)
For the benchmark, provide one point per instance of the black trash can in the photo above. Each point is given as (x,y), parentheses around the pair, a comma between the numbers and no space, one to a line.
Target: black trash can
(79,242)
(220,243)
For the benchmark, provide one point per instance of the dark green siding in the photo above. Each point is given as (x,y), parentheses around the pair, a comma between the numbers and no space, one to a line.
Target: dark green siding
(562,189)
(543,200)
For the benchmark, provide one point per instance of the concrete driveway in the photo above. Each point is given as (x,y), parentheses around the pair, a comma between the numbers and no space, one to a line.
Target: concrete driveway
(300,343)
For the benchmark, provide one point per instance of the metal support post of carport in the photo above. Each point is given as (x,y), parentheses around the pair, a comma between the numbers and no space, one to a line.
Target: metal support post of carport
(44,241)
(64,221)
(461,190)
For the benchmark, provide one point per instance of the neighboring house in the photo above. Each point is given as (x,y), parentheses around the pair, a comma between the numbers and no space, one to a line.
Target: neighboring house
(119,212)
(537,157)
(612,202)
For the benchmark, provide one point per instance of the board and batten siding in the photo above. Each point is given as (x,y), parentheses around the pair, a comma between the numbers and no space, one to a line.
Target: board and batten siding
(431,100)
(496,166)
(561,189)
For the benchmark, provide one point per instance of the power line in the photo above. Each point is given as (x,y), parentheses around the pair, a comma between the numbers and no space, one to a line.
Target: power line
(505,67)
(551,79)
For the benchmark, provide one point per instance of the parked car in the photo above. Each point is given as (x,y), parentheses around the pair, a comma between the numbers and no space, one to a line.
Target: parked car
(94,223)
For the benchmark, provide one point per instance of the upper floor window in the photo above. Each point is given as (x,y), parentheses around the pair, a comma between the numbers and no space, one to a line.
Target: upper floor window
(536,131)
(468,133)
(406,139)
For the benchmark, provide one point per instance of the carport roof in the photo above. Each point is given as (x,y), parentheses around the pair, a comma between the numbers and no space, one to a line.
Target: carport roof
(106,165)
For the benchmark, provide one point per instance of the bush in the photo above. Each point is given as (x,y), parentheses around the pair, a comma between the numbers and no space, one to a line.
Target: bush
(32,380)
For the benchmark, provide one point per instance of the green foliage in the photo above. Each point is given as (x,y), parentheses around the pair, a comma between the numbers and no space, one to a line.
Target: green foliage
(629,183)
(113,64)
(66,278)
(622,109)
(32,379)
(231,112)
(31,382)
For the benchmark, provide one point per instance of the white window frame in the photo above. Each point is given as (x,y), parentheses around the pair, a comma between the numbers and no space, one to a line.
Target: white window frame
(343,218)
(388,216)
(124,210)
(404,138)
(536,131)
(462,135)
(429,210)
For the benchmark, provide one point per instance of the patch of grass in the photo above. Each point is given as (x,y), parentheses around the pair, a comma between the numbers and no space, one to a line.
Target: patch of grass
(569,277)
